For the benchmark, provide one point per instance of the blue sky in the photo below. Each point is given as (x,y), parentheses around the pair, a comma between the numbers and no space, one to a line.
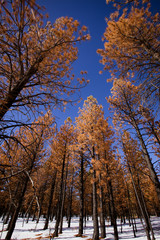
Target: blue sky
(90,13)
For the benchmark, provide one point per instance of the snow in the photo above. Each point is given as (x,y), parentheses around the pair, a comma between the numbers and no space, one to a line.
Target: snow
(31,230)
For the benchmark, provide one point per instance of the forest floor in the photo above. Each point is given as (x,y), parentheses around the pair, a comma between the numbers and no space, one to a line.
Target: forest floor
(31,230)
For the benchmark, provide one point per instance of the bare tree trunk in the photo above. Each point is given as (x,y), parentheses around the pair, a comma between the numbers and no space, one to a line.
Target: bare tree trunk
(95,204)
(148,160)
(70,207)
(50,199)
(130,212)
(102,219)
(14,93)
(19,204)
(16,212)
(9,213)
(63,200)
(140,199)
(58,215)
(146,155)
(147,228)
(149,225)
(11,208)
(41,193)
(95,209)
(80,233)
(112,206)
(113,212)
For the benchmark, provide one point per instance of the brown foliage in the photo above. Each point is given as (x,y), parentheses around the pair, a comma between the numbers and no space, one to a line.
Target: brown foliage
(36,59)
(131,48)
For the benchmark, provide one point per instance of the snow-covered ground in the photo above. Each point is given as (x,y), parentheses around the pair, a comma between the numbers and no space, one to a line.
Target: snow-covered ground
(31,230)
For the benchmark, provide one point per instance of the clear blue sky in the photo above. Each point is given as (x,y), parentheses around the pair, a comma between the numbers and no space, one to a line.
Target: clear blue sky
(90,13)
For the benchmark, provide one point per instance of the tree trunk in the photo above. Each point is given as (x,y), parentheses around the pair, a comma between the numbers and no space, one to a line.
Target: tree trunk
(58,215)
(95,210)
(80,233)
(63,199)
(70,207)
(14,93)
(8,214)
(139,197)
(50,199)
(16,212)
(130,212)
(85,217)
(147,158)
(113,212)
(109,209)
(41,193)
(112,206)
(147,227)
(102,219)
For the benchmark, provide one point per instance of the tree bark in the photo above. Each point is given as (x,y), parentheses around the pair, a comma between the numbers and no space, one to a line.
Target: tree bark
(130,212)
(14,93)
(112,205)
(80,233)
(41,193)
(139,198)
(113,211)
(95,204)
(11,208)
(70,207)
(63,200)
(95,209)
(149,162)
(16,212)
(50,199)
(58,215)
(147,158)
(142,210)
(102,219)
